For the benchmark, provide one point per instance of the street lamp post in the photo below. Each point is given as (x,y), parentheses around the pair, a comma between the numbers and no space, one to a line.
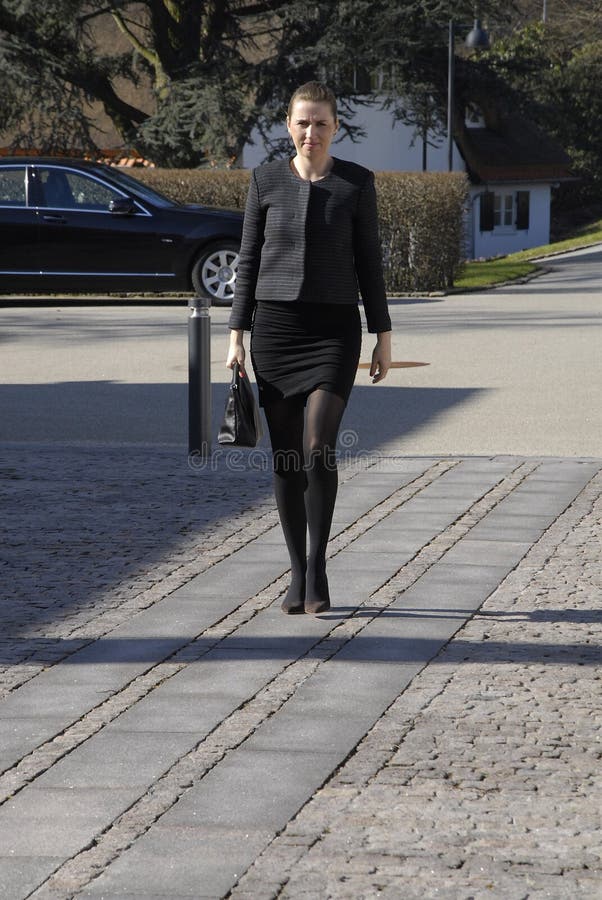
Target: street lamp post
(477,38)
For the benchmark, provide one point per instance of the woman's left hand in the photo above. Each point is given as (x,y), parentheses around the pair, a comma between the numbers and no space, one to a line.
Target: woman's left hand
(381,357)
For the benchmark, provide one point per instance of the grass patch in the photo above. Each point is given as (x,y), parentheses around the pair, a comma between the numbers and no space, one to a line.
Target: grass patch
(486,272)
(588,234)
(492,271)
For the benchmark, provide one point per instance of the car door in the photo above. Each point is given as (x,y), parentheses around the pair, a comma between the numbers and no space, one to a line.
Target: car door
(82,240)
(18,226)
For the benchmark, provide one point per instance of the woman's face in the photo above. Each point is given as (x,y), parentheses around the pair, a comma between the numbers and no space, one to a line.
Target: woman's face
(312,128)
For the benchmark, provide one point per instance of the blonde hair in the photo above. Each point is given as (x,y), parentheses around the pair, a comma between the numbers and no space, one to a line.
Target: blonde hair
(315,92)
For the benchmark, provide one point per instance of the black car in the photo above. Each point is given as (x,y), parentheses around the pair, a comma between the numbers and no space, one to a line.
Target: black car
(72,225)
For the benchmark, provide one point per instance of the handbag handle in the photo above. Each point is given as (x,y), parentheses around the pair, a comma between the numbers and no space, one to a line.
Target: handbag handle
(236,376)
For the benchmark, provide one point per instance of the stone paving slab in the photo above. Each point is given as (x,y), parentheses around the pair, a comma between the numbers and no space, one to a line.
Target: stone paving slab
(113,759)
(483,777)
(445,585)
(390,652)
(62,820)
(182,686)
(493,553)
(396,540)
(229,670)
(20,875)
(196,855)
(504,527)
(17,735)
(71,698)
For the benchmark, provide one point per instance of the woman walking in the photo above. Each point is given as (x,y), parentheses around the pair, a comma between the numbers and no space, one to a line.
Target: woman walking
(310,236)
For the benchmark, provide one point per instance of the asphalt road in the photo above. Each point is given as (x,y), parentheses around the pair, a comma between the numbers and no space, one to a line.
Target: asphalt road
(514,370)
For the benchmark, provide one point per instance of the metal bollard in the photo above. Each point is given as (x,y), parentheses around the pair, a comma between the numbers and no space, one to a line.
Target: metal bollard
(199,377)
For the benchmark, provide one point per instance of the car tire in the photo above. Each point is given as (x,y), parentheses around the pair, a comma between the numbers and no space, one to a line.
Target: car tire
(214,272)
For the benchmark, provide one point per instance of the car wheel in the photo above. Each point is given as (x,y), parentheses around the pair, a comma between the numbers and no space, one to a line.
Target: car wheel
(214,272)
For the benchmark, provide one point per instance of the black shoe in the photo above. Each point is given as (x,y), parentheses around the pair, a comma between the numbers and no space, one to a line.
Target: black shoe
(315,606)
(317,596)
(293,599)
(292,605)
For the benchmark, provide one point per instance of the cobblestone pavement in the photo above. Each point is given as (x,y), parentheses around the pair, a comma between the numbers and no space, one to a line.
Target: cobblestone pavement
(465,768)
(96,534)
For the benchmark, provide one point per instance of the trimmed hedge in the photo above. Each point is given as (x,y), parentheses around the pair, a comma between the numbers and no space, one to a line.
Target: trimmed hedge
(214,187)
(421,217)
(421,228)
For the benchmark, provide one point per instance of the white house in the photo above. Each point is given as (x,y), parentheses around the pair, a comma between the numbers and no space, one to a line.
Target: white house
(511,166)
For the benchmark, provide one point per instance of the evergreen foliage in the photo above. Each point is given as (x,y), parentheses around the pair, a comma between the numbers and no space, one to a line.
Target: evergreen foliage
(217,69)
(553,75)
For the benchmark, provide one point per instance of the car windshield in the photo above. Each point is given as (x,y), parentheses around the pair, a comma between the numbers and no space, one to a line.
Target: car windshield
(143,190)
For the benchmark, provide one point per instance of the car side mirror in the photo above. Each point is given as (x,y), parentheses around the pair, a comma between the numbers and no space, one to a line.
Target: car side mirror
(124,206)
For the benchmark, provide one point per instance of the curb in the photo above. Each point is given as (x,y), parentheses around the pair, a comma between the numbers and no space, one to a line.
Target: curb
(554,253)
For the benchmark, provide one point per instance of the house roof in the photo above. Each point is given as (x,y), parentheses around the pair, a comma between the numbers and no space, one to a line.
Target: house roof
(513,150)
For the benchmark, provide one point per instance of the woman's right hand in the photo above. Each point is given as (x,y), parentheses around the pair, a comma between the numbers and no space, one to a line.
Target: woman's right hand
(236,351)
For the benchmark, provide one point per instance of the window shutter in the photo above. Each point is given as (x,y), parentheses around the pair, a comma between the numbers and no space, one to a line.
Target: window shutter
(487,211)
(522,210)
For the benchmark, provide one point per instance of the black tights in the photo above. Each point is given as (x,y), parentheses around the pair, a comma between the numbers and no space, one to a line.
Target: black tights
(305,486)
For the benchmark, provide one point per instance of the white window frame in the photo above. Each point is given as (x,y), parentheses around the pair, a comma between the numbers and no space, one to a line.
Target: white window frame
(504,208)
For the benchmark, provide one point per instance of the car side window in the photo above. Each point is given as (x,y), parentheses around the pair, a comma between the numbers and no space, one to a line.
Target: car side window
(72,190)
(12,187)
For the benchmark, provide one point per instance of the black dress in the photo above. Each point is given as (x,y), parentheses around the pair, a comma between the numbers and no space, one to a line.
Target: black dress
(300,346)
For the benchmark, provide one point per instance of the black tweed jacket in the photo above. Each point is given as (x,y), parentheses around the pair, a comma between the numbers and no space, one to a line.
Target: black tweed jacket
(311,241)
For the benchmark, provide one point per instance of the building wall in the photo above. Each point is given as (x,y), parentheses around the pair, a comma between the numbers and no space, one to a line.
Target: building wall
(387,146)
(507,239)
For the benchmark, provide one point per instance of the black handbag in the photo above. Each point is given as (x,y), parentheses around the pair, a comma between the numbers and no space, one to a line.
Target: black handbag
(241,425)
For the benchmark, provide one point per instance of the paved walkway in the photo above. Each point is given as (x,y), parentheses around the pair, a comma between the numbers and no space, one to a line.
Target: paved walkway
(167,732)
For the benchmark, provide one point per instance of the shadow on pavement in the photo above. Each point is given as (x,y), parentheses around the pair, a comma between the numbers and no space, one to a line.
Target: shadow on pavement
(92,412)
(91,521)
(362,649)
(576,616)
